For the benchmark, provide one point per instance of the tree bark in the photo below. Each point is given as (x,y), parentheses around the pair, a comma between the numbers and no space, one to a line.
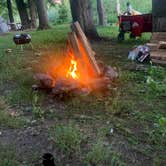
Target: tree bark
(42,14)
(21,6)
(159,15)
(82,12)
(10,13)
(32,10)
(101,14)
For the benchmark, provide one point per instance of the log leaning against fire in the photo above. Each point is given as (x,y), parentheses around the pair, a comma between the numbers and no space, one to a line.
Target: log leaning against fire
(79,46)
(87,48)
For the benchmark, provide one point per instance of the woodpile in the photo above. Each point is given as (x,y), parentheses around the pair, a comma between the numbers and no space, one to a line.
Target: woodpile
(158,48)
(93,74)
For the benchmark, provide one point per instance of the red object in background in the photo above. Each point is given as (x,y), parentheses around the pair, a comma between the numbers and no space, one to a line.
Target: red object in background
(136,24)
(58,1)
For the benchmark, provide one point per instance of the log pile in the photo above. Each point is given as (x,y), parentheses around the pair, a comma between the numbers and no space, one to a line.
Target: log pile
(158,48)
(93,75)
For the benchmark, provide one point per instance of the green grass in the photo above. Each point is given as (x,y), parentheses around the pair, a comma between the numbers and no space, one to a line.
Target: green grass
(134,108)
(7,120)
(101,155)
(8,156)
(67,138)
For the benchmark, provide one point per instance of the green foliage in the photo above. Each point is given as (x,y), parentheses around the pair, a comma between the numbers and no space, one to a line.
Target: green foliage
(162,126)
(63,14)
(156,82)
(121,108)
(8,156)
(4,10)
(59,14)
(36,108)
(100,155)
(158,134)
(67,138)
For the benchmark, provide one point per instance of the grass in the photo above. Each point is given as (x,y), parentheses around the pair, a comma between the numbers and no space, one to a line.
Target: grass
(100,155)
(67,138)
(8,156)
(134,110)
(7,119)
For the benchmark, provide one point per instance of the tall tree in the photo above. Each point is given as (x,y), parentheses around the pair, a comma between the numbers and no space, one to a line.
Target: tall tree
(82,12)
(32,11)
(101,12)
(21,6)
(42,14)
(10,13)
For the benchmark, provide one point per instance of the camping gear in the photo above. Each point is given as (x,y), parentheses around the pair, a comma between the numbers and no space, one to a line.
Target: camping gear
(3,26)
(22,39)
(140,54)
(136,25)
(130,11)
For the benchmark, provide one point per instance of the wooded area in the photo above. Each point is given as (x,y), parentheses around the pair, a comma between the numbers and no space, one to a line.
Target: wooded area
(82,85)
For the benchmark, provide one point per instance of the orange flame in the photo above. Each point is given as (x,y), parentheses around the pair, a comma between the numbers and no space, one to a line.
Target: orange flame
(72,72)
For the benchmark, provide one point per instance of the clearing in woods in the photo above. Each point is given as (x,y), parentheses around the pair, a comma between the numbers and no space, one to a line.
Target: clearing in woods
(126,127)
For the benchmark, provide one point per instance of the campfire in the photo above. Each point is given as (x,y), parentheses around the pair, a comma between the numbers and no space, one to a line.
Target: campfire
(79,71)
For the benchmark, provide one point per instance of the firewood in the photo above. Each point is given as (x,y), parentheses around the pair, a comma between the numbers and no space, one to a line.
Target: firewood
(101,66)
(73,43)
(152,46)
(65,86)
(45,80)
(159,54)
(110,73)
(87,48)
(159,62)
(99,83)
(82,91)
(162,45)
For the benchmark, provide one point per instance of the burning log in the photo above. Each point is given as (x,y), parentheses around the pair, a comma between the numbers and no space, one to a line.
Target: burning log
(80,72)
(65,85)
(46,81)
(86,48)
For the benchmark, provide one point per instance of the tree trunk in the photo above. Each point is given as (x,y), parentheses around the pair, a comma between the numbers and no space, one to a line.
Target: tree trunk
(32,10)
(100,9)
(82,12)
(10,13)
(42,14)
(159,15)
(21,6)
